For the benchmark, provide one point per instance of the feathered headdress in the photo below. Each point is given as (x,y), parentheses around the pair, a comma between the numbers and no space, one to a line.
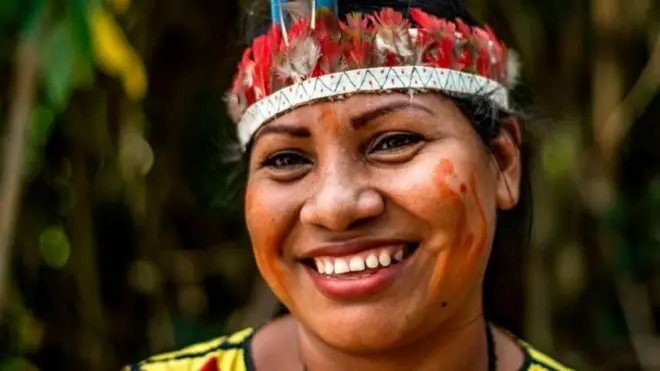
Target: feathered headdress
(309,54)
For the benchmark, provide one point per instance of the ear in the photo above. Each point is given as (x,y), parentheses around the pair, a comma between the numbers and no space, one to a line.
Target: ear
(506,151)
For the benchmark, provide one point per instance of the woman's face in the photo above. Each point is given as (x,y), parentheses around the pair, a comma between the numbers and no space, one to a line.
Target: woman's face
(372,218)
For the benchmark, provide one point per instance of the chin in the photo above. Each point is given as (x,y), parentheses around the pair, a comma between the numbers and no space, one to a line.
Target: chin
(366,328)
(360,335)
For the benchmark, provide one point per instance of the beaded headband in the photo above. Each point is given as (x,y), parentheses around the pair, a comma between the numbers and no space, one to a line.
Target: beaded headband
(320,57)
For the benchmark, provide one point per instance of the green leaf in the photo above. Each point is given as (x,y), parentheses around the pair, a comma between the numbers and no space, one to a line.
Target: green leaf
(40,125)
(68,60)
(58,65)
(82,41)
(556,156)
(55,247)
(77,11)
(39,128)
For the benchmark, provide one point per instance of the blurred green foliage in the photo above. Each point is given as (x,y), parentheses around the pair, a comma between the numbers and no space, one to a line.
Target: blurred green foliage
(130,238)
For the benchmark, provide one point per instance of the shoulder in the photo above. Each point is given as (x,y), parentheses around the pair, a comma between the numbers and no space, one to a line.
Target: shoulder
(538,361)
(227,353)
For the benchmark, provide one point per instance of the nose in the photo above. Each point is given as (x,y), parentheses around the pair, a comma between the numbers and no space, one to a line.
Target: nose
(340,200)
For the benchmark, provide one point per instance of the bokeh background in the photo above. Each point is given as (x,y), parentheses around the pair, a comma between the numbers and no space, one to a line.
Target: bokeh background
(121,231)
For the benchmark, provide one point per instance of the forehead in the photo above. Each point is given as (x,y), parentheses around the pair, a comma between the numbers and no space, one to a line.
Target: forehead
(337,111)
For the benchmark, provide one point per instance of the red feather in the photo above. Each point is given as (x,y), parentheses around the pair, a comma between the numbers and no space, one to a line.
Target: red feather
(389,18)
(481,41)
(361,41)
(427,22)
(437,35)
(300,28)
(263,61)
(464,59)
(356,24)
(358,53)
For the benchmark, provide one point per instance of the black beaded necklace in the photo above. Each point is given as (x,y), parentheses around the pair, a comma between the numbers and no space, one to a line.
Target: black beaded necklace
(490,344)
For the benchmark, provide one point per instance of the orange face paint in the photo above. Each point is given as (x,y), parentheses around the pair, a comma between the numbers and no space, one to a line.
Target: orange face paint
(465,254)
(329,119)
(445,170)
(265,248)
(469,240)
(463,188)
(473,251)
(446,167)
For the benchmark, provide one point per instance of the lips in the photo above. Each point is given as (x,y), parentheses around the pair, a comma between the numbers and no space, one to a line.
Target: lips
(351,271)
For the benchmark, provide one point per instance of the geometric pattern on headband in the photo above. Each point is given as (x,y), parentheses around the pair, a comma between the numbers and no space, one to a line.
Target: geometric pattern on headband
(369,80)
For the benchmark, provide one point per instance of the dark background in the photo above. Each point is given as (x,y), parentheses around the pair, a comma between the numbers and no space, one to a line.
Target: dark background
(127,237)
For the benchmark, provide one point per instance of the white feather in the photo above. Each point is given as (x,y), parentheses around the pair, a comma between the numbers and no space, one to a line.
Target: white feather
(388,40)
(513,66)
(297,8)
(285,34)
(300,61)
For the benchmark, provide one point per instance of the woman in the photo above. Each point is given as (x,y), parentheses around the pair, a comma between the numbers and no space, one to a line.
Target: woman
(383,153)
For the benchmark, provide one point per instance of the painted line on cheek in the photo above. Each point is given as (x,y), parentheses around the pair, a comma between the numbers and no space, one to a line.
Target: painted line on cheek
(274,274)
(463,272)
(445,169)
(266,253)
(464,241)
(475,250)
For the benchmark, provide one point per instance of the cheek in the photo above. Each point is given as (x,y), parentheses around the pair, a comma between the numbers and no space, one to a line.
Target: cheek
(267,233)
(458,236)
(450,236)
(461,263)
(435,200)
(468,252)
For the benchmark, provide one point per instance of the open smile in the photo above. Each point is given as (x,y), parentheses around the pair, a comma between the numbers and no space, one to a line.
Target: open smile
(359,274)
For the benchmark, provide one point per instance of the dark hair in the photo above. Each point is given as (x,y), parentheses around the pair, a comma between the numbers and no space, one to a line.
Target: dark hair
(503,284)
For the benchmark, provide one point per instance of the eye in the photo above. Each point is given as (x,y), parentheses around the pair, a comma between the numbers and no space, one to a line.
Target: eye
(395,142)
(286,161)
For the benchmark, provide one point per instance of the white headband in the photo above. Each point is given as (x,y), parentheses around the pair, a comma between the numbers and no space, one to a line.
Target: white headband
(369,80)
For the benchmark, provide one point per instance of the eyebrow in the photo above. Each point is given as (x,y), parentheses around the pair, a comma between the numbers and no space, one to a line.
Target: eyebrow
(295,131)
(362,119)
(357,122)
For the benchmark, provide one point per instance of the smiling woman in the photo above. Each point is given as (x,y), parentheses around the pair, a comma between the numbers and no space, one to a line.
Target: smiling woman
(405,188)
(383,157)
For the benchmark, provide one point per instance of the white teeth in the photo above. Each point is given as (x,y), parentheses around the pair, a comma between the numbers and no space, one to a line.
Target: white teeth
(372,261)
(341,266)
(398,256)
(356,264)
(329,268)
(385,259)
(320,265)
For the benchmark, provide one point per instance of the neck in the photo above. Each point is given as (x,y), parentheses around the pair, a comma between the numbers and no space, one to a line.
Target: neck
(461,347)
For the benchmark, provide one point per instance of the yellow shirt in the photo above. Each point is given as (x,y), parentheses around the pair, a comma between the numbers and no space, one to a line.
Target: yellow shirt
(232,353)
